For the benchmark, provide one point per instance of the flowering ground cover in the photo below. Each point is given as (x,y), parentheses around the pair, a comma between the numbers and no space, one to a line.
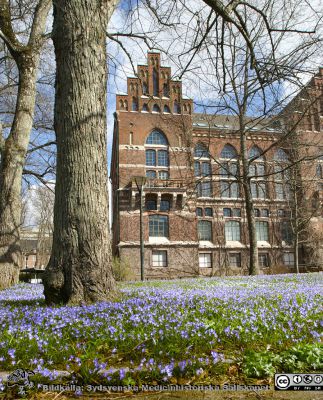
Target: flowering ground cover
(193,330)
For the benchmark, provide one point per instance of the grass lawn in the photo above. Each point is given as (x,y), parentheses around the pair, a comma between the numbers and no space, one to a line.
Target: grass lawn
(193,331)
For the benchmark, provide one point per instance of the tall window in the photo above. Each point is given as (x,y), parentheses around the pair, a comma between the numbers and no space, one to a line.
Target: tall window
(204,229)
(262,231)
(157,155)
(232,231)
(155,83)
(166,90)
(202,168)
(281,177)
(229,169)
(144,88)
(158,226)
(134,104)
(177,108)
(286,232)
(256,172)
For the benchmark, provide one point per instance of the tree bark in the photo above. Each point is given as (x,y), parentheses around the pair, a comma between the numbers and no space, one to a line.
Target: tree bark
(79,269)
(14,148)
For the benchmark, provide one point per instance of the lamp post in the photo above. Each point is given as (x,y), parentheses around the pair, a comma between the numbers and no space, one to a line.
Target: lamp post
(140,183)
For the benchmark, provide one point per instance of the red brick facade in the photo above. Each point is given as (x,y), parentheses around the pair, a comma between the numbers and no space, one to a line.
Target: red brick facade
(195,196)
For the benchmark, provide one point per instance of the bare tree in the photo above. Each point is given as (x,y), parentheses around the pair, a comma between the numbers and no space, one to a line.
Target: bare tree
(24,47)
(80,265)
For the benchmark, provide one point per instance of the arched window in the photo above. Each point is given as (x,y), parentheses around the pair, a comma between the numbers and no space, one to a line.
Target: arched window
(156,137)
(280,155)
(156,108)
(228,152)
(177,108)
(134,104)
(145,107)
(166,109)
(200,150)
(255,151)
(155,83)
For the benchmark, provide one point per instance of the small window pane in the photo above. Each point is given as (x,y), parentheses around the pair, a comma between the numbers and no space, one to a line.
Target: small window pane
(288,259)
(256,212)
(279,190)
(265,212)
(235,260)
(199,212)
(208,212)
(162,158)
(206,169)
(151,174)
(163,175)
(260,169)
(159,258)
(151,158)
(204,230)
(197,168)
(205,260)
(204,189)
(227,212)
(233,169)
(156,108)
(225,189)
(225,169)
(232,231)
(166,109)
(234,190)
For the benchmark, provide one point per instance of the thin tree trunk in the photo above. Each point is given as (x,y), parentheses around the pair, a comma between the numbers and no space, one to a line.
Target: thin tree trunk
(80,266)
(14,148)
(253,249)
(13,158)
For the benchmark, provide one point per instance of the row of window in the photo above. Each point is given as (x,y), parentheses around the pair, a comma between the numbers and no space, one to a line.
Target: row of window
(159,259)
(159,227)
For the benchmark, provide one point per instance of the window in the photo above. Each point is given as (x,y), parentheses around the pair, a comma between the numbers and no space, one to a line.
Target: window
(205,260)
(232,231)
(228,152)
(177,108)
(262,231)
(151,157)
(159,258)
(264,212)
(286,232)
(227,212)
(164,205)
(235,260)
(319,170)
(208,212)
(288,259)
(280,155)
(163,175)
(204,189)
(279,190)
(151,174)
(157,137)
(281,213)
(201,151)
(256,212)
(166,109)
(204,230)
(156,108)
(236,212)
(144,88)
(155,83)
(197,168)
(229,189)
(145,108)
(263,260)
(254,152)
(166,90)
(258,190)
(134,104)
(158,226)
(206,169)
(163,158)
(151,205)
(199,212)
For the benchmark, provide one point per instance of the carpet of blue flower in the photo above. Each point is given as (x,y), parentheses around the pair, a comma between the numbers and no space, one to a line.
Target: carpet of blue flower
(193,330)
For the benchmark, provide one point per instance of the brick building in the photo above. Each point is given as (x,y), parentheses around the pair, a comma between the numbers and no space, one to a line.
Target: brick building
(194,217)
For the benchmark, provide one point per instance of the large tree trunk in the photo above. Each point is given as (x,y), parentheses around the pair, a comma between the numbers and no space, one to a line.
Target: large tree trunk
(80,266)
(13,154)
